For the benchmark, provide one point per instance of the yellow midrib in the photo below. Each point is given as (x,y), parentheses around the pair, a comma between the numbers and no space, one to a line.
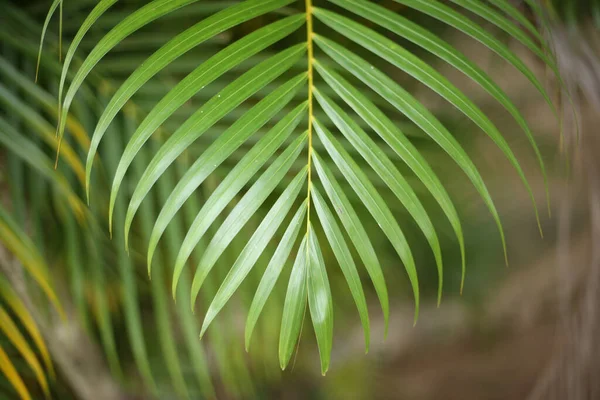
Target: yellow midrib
(309,43)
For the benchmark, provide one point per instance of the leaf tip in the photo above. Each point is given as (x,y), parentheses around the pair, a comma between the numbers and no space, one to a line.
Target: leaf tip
(192,304)
(110,222)
(416,318)
(149,263)
(57,152)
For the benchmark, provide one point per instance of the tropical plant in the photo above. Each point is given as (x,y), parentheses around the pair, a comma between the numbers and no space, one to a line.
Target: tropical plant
(298,118)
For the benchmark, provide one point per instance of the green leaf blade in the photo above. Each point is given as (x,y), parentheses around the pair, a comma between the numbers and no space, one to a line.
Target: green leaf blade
(432,43)
(409,106)
(453,18)
(51,11)
(227,100)
(294,306)
(126,27)
(247,206)
(412,65)
(176,47)
(356,231)
(218,152)
(272,272)
(252,251)
(374,203)
(388,172)
(92,17)
(233,183)
(319,300)
(344,257)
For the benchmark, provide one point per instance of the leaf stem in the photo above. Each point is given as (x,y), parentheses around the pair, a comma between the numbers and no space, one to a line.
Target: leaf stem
(309,41)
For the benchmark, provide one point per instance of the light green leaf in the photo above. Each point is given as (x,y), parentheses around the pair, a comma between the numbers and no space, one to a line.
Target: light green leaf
(51,11)
(233,183)
(273,271)
(453,18)
(373,202)
(400,144)
(294,306)
(356,232)
(176,47)
(344,257)
(92,17)
(213,110)
(319,299)
(377,159)
(126,27)
(425,39)
(247,206)
(252,251)
(421,71)
(219,150)
(518,16)
(488,13)
(415,111)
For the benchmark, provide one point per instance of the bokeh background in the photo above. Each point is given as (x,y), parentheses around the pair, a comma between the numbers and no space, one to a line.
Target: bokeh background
(523,331)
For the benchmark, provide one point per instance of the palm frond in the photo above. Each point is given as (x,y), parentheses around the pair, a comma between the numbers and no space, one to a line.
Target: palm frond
(272,113)
(271,70)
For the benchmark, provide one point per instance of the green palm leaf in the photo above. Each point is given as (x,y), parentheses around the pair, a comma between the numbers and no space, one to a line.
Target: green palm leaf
(235,181)
(412,65)
(258,117)
(374,203)
(249,203)
(273,271)
(342,253)
(415,111)
(132,23)
(421,37)
(178,46)
(294,306)
(53,7)
(388,173)
(356,231)
(230,97)
(256,245)
(462,23)
(218,152)
(319,299)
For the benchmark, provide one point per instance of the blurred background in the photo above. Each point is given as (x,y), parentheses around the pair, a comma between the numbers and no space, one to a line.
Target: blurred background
(523,331)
